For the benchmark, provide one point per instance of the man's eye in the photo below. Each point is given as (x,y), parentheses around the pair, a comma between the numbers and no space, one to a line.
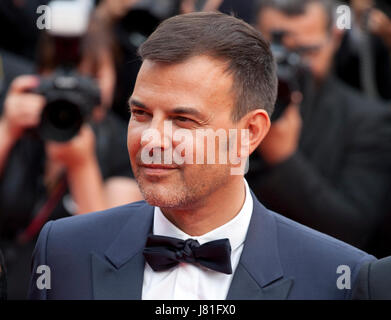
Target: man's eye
(138,112)
(183,119)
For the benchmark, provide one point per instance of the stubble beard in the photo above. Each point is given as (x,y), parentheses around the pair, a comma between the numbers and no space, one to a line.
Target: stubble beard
(181,195)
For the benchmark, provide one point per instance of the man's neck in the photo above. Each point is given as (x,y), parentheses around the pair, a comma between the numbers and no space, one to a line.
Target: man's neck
(219,208)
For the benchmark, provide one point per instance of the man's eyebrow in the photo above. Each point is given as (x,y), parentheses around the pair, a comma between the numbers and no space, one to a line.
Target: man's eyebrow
(136,103)
(187,110)
(177,110)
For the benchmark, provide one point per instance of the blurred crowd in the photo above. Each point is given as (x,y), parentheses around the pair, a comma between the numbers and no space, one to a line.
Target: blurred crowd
(325,163)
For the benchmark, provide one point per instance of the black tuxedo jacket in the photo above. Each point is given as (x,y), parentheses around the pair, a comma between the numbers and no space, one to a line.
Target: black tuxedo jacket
(99,256)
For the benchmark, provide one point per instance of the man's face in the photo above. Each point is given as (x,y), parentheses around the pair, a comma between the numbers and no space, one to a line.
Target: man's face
(193,95)
(308,31)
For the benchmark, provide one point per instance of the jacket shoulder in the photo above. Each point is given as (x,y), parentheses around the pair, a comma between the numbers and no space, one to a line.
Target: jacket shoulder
(310,238)
(316,260)
(93,230)
(112,216)
(66,245)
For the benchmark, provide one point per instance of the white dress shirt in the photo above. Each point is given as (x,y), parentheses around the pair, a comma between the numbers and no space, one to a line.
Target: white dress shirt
(187,281)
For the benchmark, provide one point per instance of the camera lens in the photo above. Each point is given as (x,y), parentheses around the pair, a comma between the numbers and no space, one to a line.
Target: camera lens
(283,99)
(61,120)
(63,114)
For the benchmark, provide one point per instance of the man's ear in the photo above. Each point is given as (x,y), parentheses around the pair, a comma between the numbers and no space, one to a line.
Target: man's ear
(257,122)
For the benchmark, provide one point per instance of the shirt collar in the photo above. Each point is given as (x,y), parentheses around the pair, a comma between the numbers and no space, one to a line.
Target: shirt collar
(235,229)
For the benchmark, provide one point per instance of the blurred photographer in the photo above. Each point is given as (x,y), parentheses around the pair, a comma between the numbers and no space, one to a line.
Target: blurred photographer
(62,151)
(326,162)
(364,57)
(369,15)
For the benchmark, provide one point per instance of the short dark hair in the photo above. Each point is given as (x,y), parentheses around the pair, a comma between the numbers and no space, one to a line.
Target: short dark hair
(224,37)
(298,7)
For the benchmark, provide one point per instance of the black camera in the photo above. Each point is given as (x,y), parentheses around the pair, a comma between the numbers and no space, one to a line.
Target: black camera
(291,73)
(70,98)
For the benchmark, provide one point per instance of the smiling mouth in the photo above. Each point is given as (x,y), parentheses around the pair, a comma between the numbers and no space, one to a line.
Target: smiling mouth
(157,169)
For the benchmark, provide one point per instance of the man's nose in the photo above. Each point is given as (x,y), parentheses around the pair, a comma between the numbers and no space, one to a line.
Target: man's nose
(158,135)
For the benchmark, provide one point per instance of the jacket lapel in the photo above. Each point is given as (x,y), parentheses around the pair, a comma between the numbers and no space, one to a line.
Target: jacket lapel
(259,274)
(119,273)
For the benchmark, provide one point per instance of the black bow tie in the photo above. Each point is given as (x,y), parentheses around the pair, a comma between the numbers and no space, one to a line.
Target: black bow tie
(163,253)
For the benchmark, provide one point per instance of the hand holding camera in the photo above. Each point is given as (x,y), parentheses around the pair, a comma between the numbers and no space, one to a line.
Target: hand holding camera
(57,113)
(22,109)
(75,153)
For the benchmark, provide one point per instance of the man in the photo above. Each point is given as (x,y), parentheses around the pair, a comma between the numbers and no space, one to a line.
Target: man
(201,233)
(363,59)
(326,164)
